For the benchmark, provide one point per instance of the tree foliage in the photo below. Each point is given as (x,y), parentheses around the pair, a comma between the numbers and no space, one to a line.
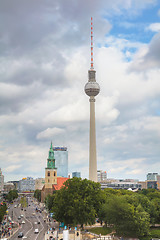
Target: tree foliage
(37,194)
(13,194)
(78,202)
(127,219)
(3,209)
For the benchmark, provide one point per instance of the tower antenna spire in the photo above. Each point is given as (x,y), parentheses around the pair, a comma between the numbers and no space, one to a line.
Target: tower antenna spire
(92,44)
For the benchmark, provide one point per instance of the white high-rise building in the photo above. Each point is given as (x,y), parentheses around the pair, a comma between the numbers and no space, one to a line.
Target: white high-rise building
(92,89)
(61,161)
(101,175)
(1,180)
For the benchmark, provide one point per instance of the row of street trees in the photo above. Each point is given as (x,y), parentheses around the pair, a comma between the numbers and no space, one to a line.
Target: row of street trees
(82,201)
(3,209)
(13,194)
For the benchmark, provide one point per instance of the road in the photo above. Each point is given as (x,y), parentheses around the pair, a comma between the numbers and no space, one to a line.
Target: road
(33,220)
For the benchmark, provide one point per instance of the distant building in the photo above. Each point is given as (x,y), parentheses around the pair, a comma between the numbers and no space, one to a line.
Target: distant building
(26,185)
(143,184)
(120,184)
(152,176)
(61,161)
(52,181)
(101,175)
(8,187)
(39,183)
(15,184)
(158,182)
(1,180)
(152,184)
(76,174)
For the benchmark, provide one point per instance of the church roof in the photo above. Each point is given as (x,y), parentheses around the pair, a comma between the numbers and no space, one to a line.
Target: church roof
(60,182)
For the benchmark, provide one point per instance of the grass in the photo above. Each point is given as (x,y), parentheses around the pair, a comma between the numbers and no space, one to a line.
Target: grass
(100,230)
(23,202)
(155,232)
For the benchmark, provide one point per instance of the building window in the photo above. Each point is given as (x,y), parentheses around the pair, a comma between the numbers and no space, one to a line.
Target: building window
(48,180)
(48,174)
(54,174)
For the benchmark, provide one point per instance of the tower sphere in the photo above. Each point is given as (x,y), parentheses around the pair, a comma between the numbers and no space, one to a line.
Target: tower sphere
(92,89)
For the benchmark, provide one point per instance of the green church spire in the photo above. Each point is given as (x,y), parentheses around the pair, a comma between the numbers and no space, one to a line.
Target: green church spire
(51,160)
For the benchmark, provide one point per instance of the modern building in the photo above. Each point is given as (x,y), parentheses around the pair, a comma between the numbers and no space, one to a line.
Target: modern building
(92,89)
(52,181)
(76,174)
(8,187)
(26,185)
(152,176)
(15,184)
(143,184)
(61,161)
(120,184)
(158,182)
(1,180)
(101,175)
(152,184)
(39,183)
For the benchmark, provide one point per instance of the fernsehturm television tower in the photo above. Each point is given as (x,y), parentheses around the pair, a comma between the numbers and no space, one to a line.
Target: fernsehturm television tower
(92,89)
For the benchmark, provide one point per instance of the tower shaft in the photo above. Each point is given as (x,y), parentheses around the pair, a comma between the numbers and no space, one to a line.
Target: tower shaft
(92,143)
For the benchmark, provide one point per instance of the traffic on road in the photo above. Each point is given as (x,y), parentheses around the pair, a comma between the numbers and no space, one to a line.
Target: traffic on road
(26,219)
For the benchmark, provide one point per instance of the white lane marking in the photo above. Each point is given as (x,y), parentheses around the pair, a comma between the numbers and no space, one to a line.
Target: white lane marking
(31,225)
(41,229)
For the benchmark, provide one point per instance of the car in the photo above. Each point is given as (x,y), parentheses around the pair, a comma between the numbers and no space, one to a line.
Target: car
(35,222)
(39,222)
(20,234)
(22,216)
(36,230)
(23,222)
(19,217)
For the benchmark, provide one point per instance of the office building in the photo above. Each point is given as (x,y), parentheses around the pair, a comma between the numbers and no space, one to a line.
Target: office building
(152,176)
(1,180)
(76,174)
(26,185)
(61,161)
(101,175)
(8,187)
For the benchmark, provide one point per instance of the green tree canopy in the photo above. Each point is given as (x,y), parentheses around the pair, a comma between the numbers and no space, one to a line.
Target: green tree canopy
(127,219)
(37,194)
(78,202)
(13,194)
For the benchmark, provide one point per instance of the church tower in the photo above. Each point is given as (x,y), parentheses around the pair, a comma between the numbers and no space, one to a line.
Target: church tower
(50,170)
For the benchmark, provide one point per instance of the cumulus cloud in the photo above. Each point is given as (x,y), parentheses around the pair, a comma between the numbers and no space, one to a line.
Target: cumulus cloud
(49,133)
(155,27)
(44,63)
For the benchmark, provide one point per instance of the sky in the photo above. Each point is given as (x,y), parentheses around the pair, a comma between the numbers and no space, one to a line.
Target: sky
(44,63)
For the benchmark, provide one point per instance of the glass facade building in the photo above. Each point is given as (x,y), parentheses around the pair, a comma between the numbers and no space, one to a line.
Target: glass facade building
(76,174)
(61,161)
(152,176)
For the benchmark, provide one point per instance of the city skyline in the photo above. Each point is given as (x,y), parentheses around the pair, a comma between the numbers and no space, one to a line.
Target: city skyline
(45,54)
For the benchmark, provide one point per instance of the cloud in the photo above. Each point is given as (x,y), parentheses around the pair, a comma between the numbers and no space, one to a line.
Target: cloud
(44,62)
(155,27)
(49,133)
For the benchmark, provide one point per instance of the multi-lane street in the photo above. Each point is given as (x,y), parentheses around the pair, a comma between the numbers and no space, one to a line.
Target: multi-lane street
(30,222)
